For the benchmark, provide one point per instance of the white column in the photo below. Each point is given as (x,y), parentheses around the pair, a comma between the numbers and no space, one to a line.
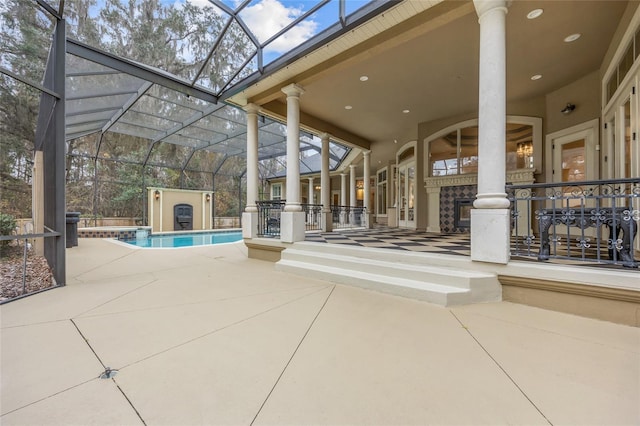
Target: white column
(252,157)
(490,218)
(367,188)
(292,218)
(352,185)
(310,191)
(250,214)
(325,185)
(293,93)
(343,198)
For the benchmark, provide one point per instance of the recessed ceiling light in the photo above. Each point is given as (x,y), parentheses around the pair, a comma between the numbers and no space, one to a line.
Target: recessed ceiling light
(405,111)
(395,141)
(534,13)
(364,78)
(348,107)
(572,37)
(536,77)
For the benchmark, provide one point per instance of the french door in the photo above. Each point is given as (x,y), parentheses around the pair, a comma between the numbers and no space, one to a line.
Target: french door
(407,195)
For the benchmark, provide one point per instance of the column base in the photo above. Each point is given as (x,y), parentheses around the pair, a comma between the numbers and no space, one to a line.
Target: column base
(292,227)
(490,229)
(249,224)
(327,221)
(368,220)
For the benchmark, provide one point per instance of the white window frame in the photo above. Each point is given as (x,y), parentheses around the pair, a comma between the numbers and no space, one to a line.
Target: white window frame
(273,192)
(384,183)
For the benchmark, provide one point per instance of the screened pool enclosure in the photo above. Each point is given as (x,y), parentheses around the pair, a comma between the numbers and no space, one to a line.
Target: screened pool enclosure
(131,94)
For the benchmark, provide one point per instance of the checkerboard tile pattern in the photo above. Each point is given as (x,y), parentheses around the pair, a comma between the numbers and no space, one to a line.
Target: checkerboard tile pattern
(400,239)
(455,244)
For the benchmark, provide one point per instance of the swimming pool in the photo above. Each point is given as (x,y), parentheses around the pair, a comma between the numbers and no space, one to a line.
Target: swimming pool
(186,240)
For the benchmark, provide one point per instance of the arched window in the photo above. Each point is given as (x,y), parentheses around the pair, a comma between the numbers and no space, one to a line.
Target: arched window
(454,150)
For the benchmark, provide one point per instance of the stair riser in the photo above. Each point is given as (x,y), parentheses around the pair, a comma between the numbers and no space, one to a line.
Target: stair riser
(396,270)
(443,299)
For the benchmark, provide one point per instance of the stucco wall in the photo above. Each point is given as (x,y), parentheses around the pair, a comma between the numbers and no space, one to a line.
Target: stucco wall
(160,211)
(583,93)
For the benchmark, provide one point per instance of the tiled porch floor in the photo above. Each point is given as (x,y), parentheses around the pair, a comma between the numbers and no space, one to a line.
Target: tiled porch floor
(456,244)
(205,335)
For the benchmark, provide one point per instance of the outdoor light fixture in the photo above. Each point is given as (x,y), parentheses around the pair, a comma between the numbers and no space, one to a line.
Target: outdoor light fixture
(156,194)
(568,109)
(207,198)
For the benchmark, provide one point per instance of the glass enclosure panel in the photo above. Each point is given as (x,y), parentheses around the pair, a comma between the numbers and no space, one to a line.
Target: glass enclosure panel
(123,147)
(233,51)
(101,83)
(612,85)
(83,128)
(133,129)
(84,146)
(81,105)
(25,39)
(146,120)
(180,139)
(168,110)
(353,5)
(170,155)
(303,30)
(102,116)
(443,155)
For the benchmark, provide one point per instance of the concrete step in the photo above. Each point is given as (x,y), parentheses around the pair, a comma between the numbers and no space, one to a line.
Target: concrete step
(390,271)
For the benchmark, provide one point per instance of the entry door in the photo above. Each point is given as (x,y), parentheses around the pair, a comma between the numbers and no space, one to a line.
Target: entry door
(406,195)
(574,153)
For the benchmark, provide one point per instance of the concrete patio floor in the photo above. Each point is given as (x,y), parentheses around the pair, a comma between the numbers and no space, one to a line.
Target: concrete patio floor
(207,336)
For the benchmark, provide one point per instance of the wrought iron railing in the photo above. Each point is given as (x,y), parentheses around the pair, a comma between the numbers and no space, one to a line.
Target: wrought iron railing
(269,217)
(313,217)
(346,217)
(594,221)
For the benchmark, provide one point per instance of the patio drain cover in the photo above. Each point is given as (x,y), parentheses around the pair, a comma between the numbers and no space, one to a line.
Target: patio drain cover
(108,373)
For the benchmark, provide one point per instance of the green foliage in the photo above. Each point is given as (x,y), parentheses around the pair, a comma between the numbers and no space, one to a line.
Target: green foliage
(104,174)
(7,226)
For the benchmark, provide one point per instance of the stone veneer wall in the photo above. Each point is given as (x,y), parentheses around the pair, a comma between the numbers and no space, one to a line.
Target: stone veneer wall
(448,195)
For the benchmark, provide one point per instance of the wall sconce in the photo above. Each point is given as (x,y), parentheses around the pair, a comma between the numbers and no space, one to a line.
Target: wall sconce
(156,194)
(568,109)
(207,198)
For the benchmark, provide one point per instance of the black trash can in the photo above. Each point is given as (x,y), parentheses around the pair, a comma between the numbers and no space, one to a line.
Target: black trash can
(72,229)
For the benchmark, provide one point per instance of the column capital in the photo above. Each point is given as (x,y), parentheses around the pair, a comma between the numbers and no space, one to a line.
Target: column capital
(484,6)
(251,108)
(366,153)
(352,166)
(293,90)
(324,136)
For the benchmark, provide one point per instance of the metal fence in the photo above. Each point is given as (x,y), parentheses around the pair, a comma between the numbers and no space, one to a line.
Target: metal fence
(594,221)
(346,217)
(269,217)
(312,217)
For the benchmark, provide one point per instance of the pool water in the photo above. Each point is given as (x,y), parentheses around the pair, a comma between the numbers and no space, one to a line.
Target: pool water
(186,240)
